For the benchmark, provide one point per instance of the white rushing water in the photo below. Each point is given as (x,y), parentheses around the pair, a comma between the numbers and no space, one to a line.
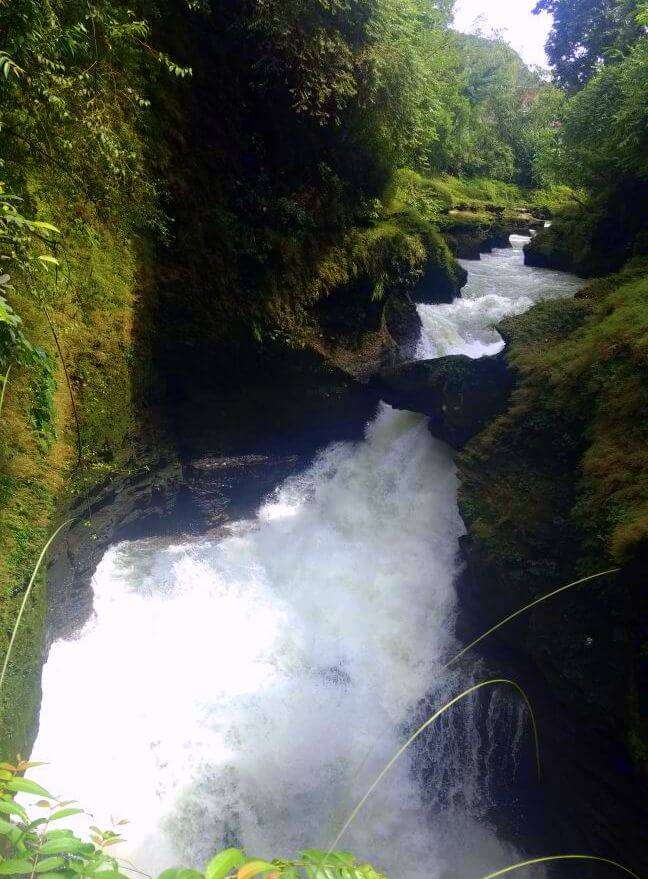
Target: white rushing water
(248,689)
(498,285)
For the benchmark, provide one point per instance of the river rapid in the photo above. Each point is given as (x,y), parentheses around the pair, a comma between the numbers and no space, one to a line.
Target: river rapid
(247,689)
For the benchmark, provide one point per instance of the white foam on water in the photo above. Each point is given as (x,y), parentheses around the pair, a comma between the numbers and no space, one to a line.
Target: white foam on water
(247,690)
(499,284)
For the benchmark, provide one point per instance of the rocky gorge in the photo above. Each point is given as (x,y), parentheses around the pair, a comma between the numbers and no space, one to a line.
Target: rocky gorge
(323,343)
(474,404)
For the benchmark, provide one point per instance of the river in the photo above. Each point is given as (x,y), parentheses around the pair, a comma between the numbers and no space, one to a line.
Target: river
(248,689)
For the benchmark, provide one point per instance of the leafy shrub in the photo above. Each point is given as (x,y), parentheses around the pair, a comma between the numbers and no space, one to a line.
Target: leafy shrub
(39,846)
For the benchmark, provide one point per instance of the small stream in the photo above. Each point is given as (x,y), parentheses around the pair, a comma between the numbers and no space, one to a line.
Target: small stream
(248,689)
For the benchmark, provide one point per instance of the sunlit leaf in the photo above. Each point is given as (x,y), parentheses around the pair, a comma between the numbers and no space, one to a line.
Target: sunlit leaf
(223,863)
(65,813)
(171,873)
(15,867)
(189,874)
(48,864)
(9,829)
(8,807)
(255,868)
(27,786)
(69,845)
(45,227)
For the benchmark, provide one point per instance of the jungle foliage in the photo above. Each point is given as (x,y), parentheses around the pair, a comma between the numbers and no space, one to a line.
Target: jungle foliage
(587,34)
(600,143)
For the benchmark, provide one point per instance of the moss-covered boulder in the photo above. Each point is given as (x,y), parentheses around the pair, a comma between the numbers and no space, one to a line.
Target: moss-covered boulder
(596,238)
(459,394)
(441,282)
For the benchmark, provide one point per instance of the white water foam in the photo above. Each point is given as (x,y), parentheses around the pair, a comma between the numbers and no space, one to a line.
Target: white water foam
(499,284)
(251,687)
(247,690)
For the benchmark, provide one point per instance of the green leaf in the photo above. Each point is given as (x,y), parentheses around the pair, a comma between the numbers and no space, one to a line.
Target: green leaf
(9,829)
(8,807)
(48,864)
(65,813)
(45,227)
(180,873)
(27,786)
(223,863)
(48,258)
(15,867)
(339,859)
(254,868)
(69,845)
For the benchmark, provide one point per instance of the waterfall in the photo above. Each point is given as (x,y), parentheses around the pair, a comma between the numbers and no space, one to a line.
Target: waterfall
(248,689)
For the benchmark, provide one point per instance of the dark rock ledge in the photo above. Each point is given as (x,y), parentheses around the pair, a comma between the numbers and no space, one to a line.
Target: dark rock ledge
(461,395)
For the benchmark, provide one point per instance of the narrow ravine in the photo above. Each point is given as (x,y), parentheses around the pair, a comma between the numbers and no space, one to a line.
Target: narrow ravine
(249,687)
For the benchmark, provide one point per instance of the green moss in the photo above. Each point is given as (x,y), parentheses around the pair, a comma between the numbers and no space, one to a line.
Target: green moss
(90,303)
(433,197)
(583,394)
(557,487)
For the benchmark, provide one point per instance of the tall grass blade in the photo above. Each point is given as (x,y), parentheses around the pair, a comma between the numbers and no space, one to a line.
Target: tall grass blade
(4,387)
(26,598)
(524,609)
(421,729)
(560,858)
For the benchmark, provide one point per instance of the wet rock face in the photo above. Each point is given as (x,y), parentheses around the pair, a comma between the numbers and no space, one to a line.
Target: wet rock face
(232,448)
(403,323)
(440,283)
(140,504)
(470,235)
(221,489)
(459,394)
(547,250)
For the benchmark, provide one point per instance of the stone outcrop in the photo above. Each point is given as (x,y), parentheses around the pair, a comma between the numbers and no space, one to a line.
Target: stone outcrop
(471,233)
(459,394)
(440,283)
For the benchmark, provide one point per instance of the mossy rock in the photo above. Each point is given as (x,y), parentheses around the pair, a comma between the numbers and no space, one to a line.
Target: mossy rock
(459,394)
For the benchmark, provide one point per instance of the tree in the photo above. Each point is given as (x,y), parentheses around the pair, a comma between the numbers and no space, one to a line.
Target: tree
(587,34)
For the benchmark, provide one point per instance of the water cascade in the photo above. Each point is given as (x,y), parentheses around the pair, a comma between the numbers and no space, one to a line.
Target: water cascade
(247,689)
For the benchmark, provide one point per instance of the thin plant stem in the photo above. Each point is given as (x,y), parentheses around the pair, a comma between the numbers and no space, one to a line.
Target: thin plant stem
(524,609)
(560,858)
(4,387)
(26,598)
(69,386)
(421,729)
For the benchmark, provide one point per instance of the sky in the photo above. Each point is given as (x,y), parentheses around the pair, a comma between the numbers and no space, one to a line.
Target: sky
(525,32)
